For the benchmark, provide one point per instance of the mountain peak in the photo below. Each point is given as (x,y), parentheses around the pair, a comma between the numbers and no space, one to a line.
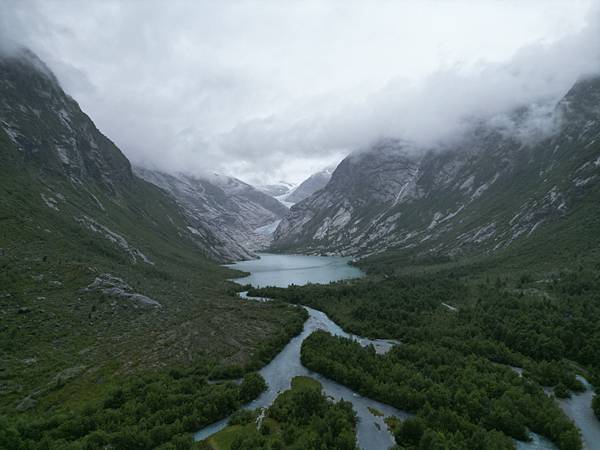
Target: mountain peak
(583,99)
(25,59)
(48,128)
(308,187)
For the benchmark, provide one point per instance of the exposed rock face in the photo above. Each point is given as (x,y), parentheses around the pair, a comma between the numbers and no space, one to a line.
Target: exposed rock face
(26,404)
(64,140)
(230,209)
(477,194)
(135,254)
(309,186)
(115,287)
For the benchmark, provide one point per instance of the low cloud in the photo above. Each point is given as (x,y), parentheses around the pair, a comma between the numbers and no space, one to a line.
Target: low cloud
(441,105)
(267,91)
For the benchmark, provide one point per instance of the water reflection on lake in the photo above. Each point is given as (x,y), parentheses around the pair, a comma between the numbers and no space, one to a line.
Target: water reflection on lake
(285,270)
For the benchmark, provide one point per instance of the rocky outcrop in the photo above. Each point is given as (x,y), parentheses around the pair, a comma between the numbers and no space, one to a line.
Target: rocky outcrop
(309,186)
(115,287)
(233,211)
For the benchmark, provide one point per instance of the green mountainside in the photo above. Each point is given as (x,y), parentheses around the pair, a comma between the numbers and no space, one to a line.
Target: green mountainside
(101,280)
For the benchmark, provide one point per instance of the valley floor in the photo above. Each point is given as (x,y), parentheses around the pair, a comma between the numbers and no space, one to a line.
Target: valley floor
(453,366)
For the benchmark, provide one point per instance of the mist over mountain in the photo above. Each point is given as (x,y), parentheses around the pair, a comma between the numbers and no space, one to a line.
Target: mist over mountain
(481,192)
(232,210)
(50,135)
(298,101)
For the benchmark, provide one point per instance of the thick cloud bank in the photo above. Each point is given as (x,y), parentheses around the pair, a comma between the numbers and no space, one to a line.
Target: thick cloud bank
(268,90)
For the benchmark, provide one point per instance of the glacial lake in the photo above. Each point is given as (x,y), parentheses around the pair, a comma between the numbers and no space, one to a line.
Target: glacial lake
(285,270)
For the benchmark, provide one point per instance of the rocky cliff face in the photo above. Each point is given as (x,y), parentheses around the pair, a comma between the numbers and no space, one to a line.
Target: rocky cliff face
(480,193)
(309,186)
(230,209)
(50,130)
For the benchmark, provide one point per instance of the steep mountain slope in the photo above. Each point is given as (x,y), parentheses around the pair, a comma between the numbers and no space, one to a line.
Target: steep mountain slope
(309,186)
(229,208)
(478,194)
(55,138)
(100,274)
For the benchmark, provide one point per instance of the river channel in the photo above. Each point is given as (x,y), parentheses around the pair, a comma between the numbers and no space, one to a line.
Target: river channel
(372,432)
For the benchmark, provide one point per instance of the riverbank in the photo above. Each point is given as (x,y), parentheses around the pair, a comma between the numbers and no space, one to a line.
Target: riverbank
(372,431)
(282,270)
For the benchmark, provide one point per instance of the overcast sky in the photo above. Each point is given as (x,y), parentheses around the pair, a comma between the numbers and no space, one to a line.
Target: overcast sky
(275,90)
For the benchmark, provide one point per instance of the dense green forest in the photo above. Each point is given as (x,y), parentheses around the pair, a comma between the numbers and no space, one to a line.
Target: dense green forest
(463,401)
(301,418)
(459,336)
(537,324)
(152,411)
